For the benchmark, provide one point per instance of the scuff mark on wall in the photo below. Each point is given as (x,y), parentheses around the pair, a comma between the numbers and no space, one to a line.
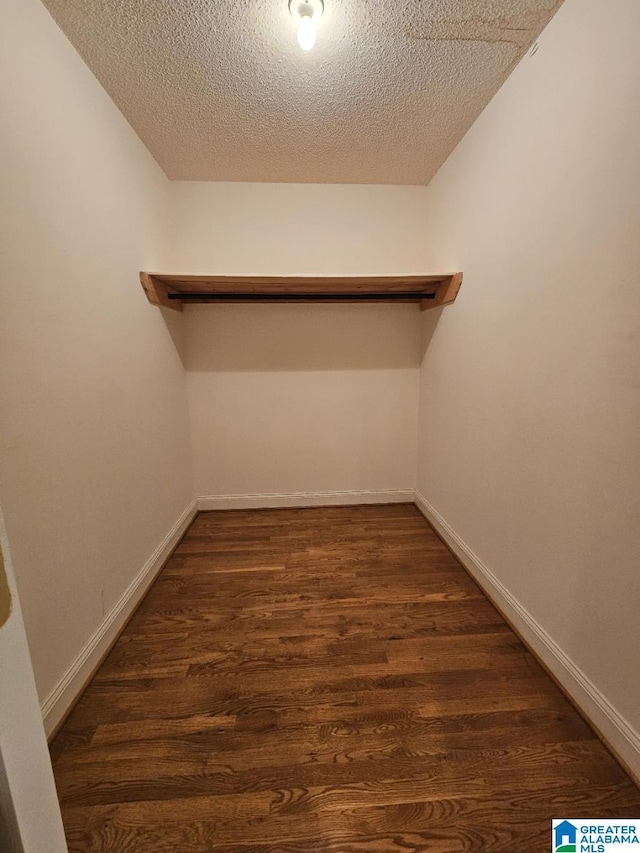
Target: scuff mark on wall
(5,594)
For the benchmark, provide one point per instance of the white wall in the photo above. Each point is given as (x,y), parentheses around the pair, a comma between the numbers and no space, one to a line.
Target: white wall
(301,398)
(30,819)
(530,398)
(94,454)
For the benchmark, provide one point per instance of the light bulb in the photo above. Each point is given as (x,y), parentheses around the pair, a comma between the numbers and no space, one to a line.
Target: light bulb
(306,32)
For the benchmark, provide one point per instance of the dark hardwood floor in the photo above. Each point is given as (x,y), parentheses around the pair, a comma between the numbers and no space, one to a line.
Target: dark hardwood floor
(324,680)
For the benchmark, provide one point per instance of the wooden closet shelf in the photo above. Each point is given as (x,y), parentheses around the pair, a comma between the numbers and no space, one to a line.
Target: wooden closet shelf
(171,290)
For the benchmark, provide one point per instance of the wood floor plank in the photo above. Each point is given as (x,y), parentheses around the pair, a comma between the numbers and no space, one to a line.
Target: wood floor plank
(327,680)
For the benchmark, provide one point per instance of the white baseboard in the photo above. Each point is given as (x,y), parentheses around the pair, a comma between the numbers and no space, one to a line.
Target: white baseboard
(302,499)
(618,734)
(64,694)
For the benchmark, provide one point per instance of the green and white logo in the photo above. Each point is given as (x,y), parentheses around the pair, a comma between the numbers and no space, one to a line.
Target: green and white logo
(564,837)
(595,835)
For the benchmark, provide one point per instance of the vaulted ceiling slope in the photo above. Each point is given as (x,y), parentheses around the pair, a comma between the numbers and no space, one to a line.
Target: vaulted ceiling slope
(219,90)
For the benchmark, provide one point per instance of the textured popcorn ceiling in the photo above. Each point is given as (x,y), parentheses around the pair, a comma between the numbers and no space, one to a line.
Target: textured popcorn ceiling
(220,91)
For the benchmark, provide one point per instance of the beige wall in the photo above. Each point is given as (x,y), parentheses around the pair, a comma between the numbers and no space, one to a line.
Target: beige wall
(296,229)
(530,399)
(300,398)
(94,453)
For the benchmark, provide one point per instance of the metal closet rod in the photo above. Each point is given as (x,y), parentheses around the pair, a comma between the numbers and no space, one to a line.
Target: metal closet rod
(299,297)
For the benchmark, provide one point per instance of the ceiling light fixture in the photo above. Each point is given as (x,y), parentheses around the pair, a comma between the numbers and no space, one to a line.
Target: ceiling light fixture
(307,13)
